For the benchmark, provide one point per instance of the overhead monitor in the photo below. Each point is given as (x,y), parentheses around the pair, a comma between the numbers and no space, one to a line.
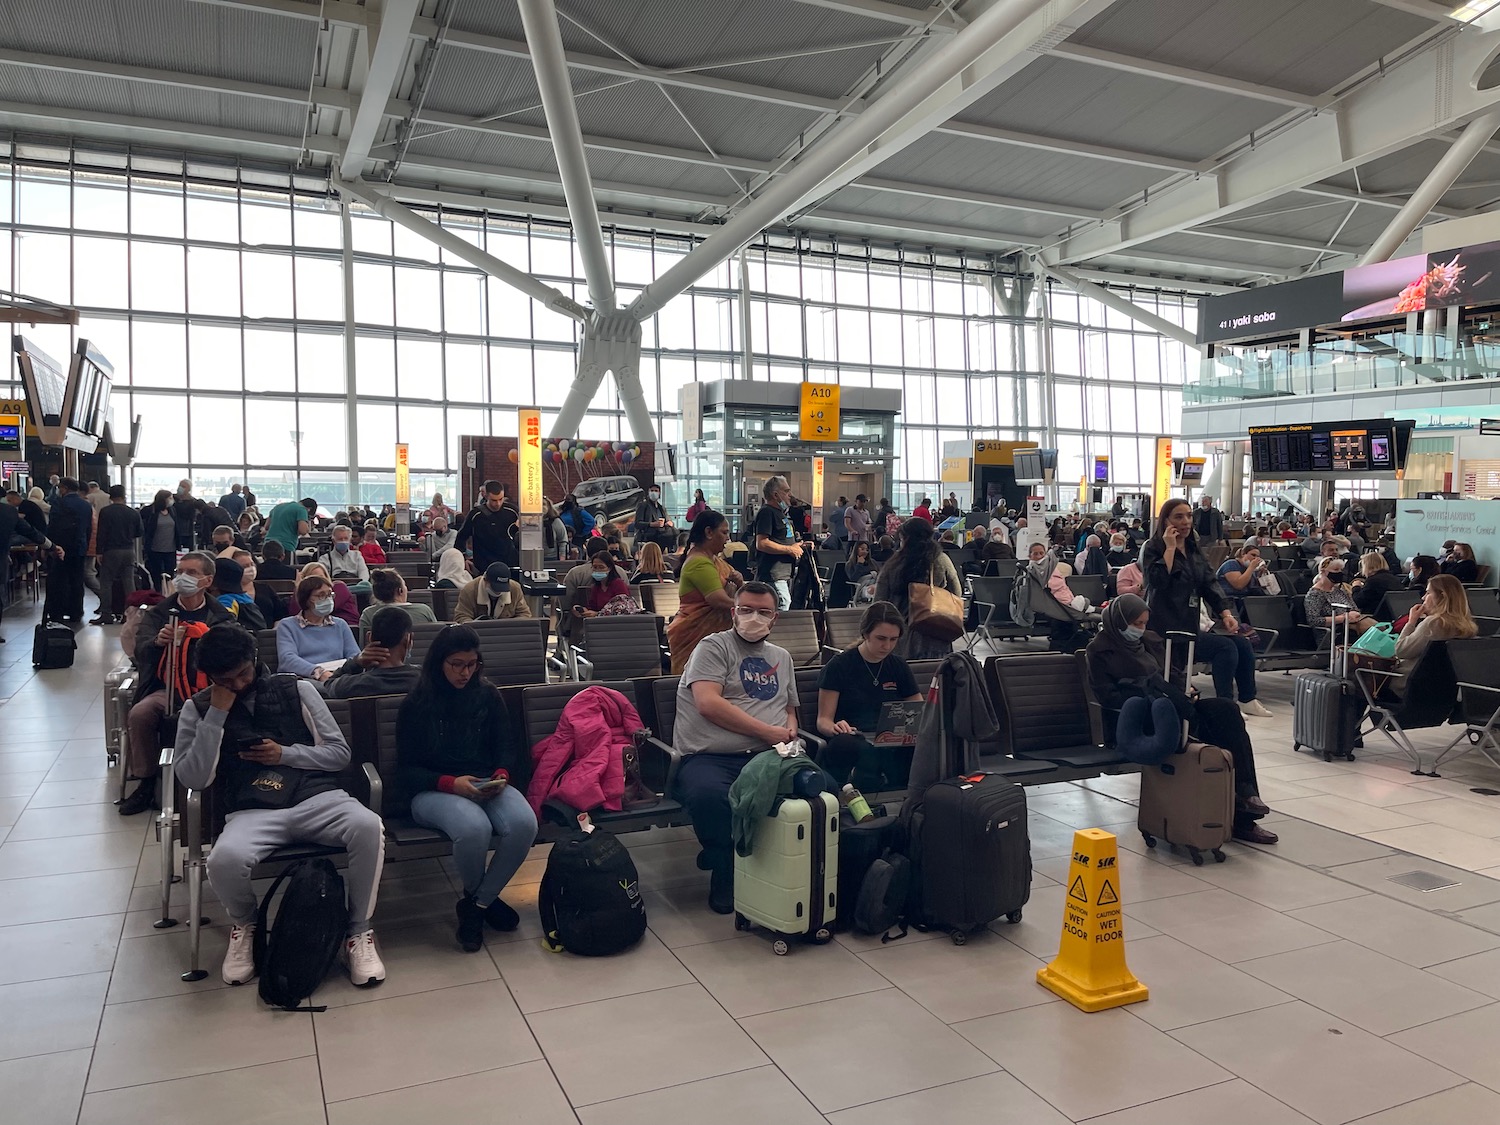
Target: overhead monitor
(1192,471)
(90,383)
(1028,466)
(1355,448)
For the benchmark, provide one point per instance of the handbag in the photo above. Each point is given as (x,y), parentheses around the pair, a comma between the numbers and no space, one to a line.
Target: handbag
(933,611)
(1377,641)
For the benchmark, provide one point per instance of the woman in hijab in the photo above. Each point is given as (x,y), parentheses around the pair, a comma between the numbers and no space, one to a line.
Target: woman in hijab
(452,573)
(1126,660)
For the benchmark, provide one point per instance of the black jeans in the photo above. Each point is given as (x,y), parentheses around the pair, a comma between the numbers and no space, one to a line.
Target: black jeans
(1219,723)
(703,782)
(852,757)
(64,589)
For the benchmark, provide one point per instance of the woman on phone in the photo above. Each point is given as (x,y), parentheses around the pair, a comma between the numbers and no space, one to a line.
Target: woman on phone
(454,753)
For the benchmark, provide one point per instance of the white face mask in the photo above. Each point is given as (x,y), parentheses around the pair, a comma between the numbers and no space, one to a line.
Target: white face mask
(250,573)
(751,629)
(186,585)
(323,607)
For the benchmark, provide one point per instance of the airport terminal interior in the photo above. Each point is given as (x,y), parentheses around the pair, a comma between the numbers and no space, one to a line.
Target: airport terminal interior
(854,290)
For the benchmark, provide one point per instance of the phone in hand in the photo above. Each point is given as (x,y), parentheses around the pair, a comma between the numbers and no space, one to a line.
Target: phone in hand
(492,786)
(246,745)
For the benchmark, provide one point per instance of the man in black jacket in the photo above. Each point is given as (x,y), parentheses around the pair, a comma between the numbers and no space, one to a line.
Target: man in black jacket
(489,534)
(651,523)
(72,523)
(115,542)
(1208,521)
(12,525)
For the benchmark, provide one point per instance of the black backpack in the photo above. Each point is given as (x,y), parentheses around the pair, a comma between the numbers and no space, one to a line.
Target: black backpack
(590,897)
(883,896)
(295,955)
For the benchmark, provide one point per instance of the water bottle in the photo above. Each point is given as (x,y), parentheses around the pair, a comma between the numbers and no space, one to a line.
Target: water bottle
(859,808)
(808,784)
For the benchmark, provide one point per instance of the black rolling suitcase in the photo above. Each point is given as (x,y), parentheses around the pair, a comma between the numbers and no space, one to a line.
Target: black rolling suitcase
(52,646)
(1327,707)
(971,852)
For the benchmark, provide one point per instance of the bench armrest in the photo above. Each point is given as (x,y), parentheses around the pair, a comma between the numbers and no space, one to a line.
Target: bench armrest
(660,760)
(374,795)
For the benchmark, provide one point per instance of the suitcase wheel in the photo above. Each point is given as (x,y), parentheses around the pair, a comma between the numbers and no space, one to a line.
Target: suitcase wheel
(780,947)
(1013,917)
(1296,746)
(959,937)
(1150,839)
(822,937)
(1197,857)
(741,922)
(1219,856)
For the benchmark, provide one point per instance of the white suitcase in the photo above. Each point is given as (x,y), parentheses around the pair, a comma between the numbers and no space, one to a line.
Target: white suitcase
(789,882)
(119,689)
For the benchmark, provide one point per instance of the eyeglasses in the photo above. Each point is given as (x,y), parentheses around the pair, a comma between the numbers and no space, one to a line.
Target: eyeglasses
(462,666)
(750,611)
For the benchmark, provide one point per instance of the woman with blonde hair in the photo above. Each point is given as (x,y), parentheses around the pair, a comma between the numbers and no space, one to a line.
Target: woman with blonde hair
(1442,615)
(1375,581)
(345,606)
(650,566)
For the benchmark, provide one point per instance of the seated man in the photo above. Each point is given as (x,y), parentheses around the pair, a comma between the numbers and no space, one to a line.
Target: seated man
(192,601)
(388,588)
(343,563)
(496,595)
(737,696)
(275,753)
(380,668)
(273,565)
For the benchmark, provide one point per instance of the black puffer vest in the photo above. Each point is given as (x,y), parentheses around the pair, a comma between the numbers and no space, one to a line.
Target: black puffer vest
(277,716)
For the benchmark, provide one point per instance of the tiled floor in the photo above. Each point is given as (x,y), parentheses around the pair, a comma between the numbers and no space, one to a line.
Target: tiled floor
(1291,984)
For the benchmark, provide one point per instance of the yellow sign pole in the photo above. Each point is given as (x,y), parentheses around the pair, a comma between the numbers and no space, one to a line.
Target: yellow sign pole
(1089,971)
(1161,481)
(403,489)
(817,497)
(529,464)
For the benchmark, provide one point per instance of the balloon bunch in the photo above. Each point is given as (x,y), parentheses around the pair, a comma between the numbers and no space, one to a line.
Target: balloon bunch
(566,449)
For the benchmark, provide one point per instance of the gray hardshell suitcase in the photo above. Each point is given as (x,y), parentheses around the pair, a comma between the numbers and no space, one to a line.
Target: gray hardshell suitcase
(1327,706)
(119,691)
(1188,800)
(789,881)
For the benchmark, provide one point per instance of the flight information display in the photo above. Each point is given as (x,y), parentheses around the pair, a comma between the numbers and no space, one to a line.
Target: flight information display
(1377,446)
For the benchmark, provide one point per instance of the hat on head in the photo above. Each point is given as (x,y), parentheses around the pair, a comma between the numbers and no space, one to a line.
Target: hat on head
(229,576)
(497,576)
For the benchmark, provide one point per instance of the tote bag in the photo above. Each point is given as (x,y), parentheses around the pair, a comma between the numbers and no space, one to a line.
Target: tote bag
(934,612)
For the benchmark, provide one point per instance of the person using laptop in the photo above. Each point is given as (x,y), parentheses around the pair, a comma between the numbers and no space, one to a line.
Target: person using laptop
(852,690)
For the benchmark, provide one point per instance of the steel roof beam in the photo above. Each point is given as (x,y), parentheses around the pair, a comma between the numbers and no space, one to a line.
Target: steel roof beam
(1286,241)
(890,13)
(979,199)
(1428,93)
(1122,305)
(1389,202)
(50,117)
(548,60)
(1186,76)
(1438,13)
(975,131)
(387,53)
(330,11)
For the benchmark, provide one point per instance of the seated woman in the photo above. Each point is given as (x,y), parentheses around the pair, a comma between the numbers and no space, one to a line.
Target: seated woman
(1442,615)
(1091,560)
(1239,576)
(452,571)
(1461,564)
(1125,660)
(606,582)
(439,537)
(650,566)
(454,744)
(1057,586)
(1119,553)
(345,606)
(1375,581)
(860,566)
(706,589)
(1330,603)
(315,643)
(851,688)
(272,608)
(370,546)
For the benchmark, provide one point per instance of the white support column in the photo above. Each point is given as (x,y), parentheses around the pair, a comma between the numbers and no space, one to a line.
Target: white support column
(1476,134)
(1120,304)
(747,351)
(386,56)
(466,251)
(549,61)
(351,401)
(808,175)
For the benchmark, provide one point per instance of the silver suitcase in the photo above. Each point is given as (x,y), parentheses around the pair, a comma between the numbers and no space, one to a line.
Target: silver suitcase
(119,690)
(789,882)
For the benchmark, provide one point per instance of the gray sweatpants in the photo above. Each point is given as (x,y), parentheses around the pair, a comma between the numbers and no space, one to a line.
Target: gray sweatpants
(335,819)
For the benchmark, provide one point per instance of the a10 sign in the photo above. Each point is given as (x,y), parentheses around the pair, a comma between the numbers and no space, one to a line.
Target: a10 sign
(820,412)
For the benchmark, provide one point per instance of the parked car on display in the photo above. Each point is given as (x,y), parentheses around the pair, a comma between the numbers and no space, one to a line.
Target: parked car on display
(612,498)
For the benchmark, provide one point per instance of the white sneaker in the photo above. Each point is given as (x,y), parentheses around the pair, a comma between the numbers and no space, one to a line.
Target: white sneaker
(1255,710)
(365,966)
(239,961)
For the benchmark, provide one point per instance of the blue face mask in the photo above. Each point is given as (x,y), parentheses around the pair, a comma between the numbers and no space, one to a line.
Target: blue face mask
(1134,632)
(341,547)
(785,505)
(599,575)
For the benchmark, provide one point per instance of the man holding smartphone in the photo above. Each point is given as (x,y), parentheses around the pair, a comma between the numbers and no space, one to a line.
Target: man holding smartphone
(273,750)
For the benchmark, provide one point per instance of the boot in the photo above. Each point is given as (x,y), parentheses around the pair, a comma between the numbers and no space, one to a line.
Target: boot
(142,799)
(470,931)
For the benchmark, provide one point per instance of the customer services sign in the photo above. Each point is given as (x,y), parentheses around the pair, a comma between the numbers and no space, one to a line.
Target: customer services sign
(1423,526)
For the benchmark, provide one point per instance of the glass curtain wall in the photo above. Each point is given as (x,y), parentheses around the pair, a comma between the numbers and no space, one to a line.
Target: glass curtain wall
(219,296)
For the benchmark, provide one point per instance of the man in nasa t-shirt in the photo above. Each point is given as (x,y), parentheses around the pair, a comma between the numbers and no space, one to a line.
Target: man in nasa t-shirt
(737,696)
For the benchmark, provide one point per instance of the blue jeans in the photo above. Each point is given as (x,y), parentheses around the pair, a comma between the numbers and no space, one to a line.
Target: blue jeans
(783,593)
(469,824)
(1233,662)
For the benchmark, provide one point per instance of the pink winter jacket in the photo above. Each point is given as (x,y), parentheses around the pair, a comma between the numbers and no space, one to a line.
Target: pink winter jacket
(582,761)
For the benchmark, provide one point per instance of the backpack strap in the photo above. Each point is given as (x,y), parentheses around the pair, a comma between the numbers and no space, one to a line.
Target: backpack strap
(546,906)
(262,915)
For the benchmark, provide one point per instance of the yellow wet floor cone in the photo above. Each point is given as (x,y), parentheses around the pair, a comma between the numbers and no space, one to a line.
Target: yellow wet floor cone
(1089,971)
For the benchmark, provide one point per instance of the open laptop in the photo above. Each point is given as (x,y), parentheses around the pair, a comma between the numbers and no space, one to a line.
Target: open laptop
(897,725)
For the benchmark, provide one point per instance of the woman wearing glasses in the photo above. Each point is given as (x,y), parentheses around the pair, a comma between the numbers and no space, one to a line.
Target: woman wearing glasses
(455,754)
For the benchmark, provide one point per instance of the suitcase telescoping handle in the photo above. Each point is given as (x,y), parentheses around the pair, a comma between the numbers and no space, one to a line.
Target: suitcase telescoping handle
(1333,637)
(172,620)
(1187,669)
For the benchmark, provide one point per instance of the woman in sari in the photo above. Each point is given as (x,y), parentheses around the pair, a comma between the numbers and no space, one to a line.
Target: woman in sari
(707,585)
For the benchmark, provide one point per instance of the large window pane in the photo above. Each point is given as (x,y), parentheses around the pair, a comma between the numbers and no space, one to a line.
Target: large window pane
(214,358)
(164,434)
(375,365)
(320,289)
(213,281)
(270,361)
(377,435)
(101,273)
(272,426)
(156,277)
(268,285)
(43,266)
(160,356)
(320,363)
(325,441)
(218,430)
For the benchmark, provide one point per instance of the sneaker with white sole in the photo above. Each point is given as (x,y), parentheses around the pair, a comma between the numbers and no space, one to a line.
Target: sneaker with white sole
(1254,710)
(365,966)
(239,961)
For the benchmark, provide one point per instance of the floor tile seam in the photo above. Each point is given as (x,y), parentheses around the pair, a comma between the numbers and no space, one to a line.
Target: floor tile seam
(1490,1001)
(432,1082)
(1232,1078)
(182,1077)
(84,871)
(1290,999)
(576,1106)
(74,835)
(1413,1101)
(954,1082)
